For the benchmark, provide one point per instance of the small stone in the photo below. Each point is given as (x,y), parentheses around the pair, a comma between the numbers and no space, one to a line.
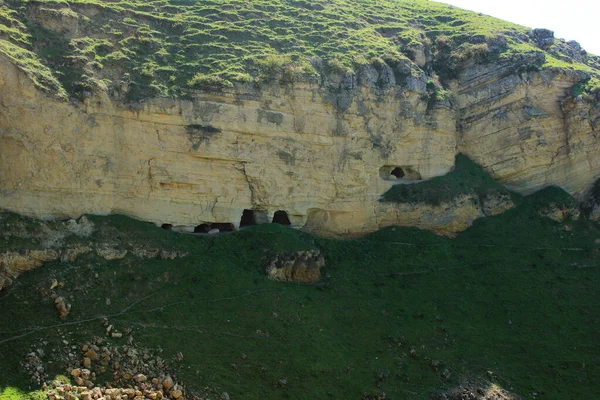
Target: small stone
(176,394)
(86,362)
(75,372)
(53,284)
(116,335)
(140,378)
(168,383)
(85,374)
(214,232)
(92,355)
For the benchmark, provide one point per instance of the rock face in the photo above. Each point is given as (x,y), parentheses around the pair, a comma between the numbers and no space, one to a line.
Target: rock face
(314,151)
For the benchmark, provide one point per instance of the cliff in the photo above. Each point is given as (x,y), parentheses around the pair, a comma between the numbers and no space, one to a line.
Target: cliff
(324,148)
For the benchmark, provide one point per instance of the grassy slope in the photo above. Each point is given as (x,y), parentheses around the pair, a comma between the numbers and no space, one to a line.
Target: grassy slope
(510,296)
(168,46)
(467,178)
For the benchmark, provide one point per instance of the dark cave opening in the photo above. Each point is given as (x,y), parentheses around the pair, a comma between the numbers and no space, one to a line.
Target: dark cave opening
(281,218)
(248,218)
(203,228)
(398,172)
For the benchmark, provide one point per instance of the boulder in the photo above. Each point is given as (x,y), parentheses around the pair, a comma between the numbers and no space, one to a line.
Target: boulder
(300,266)
(544,37)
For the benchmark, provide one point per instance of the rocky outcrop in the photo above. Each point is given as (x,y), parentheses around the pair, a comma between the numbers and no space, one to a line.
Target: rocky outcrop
(313,150)
(13,264)
(447,218)
(473,391)
(300,266)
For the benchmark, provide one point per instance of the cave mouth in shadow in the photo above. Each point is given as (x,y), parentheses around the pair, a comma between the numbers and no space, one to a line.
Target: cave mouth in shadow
(202,228)
(167,227)
(281,217)
(248,218)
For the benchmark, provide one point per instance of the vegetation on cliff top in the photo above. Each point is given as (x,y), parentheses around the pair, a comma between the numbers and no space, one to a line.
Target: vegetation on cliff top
(137,48)
(511,301)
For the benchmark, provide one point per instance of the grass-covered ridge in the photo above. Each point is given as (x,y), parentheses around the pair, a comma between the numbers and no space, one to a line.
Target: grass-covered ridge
(138,48)
(467,178)
(511,301)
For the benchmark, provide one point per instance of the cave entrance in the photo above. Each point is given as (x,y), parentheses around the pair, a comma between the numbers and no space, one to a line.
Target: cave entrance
(248,218)
(281,218)
(202,228)
(398,173)
(223,227)
(167,227)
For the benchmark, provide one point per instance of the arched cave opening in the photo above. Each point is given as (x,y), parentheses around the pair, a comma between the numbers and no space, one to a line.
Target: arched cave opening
(168,227)
(398,173)
(248,218)
(281,218)
(223,227)
(202,228)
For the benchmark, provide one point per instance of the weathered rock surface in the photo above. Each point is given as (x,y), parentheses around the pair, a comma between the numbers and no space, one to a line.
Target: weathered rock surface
(313,151)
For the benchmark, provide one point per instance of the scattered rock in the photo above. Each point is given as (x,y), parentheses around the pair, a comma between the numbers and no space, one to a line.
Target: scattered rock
(168,383)
(62,307)
(214,232)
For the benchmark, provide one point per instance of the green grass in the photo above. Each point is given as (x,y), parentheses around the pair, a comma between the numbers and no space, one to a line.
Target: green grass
(467,178)
(515,295)
(167,47)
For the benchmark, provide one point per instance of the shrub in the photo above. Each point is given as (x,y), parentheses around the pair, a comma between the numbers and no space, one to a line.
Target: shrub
(204,81)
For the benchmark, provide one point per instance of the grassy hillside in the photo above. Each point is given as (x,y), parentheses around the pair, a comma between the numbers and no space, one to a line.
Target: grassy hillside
(511,302)
(139,48)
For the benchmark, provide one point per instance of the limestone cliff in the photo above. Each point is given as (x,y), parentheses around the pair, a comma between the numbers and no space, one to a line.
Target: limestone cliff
(205,160)
(322,150)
